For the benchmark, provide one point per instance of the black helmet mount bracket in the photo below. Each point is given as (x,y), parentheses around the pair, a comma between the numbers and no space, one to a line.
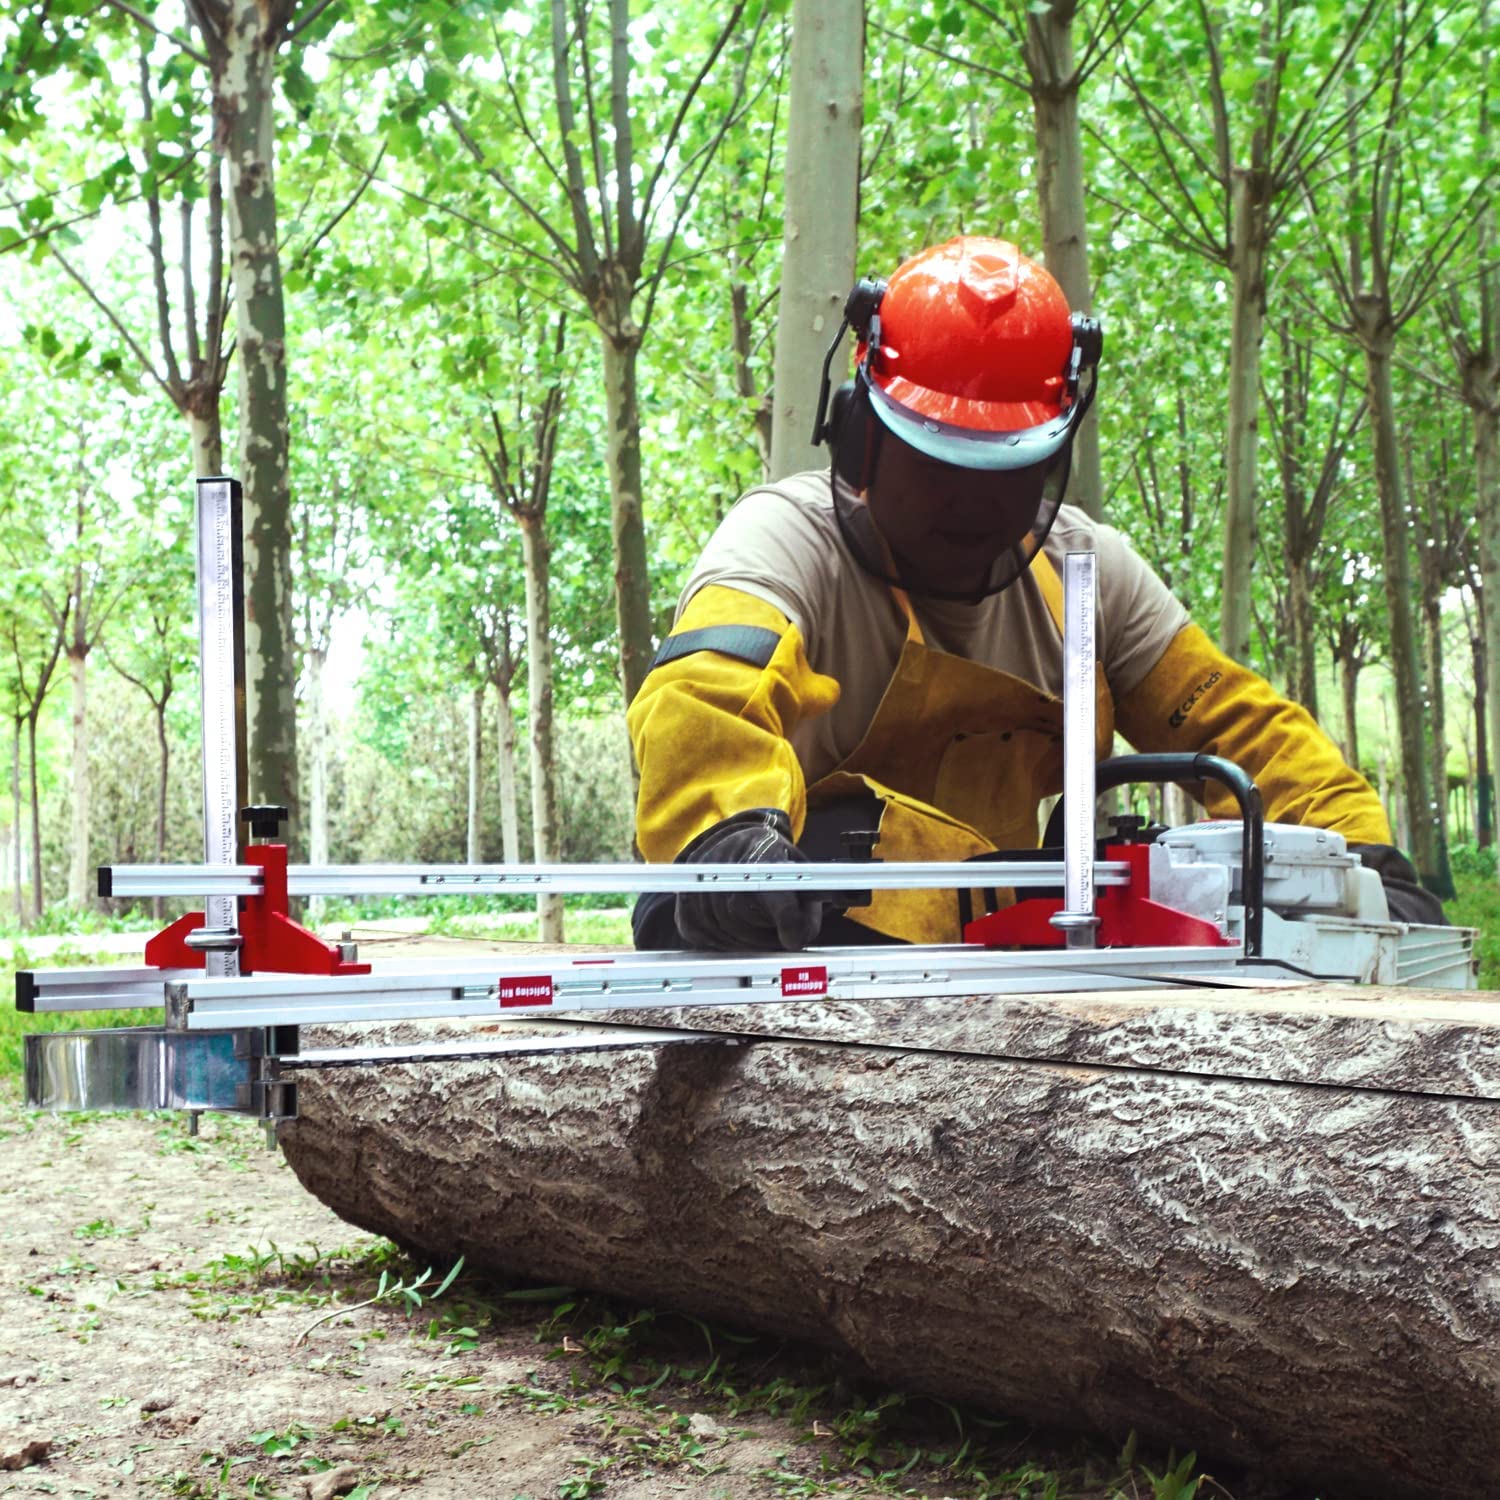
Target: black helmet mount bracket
(862,314)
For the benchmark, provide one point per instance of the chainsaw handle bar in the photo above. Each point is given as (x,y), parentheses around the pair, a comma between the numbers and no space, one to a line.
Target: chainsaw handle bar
(1124,770)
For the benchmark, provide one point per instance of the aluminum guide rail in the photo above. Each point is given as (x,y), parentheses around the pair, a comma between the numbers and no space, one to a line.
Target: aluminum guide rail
(464,987)
(229,881)
(539,984)
(1077,919)
(221,658)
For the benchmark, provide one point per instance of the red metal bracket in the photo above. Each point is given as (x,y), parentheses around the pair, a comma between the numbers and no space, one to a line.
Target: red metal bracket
(1128,917)
(273,943)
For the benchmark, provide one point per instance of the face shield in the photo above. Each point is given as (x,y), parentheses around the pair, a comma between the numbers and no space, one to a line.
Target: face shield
(949,511)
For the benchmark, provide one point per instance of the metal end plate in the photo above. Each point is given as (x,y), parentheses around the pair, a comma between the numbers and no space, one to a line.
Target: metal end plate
(135,1067)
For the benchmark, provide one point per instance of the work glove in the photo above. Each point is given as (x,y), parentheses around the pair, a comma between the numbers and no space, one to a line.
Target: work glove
(748,919)
(1406,897)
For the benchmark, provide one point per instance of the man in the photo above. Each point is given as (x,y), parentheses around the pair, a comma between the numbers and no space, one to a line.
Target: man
(879,645)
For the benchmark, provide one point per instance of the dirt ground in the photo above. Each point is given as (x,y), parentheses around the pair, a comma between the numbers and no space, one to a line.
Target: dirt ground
(153,1341)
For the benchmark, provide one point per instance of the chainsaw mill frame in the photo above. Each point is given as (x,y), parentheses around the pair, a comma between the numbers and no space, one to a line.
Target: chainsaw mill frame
(237,980)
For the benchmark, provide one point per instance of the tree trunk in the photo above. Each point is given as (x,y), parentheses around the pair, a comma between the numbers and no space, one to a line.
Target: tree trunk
(15,803)
(208,443)
(1247,269)
(38,891)
(1049,60)
(317,728)
(1349,680)
(744,340)
(825,114)
(476,737)
(1304,652)
(1484,781)
(1487,497)
(78,842)
(1423,816)
(1437,717)
(505,727)
(1244,1225)
(164,765)
(536,550)
(244,96)
(623,453)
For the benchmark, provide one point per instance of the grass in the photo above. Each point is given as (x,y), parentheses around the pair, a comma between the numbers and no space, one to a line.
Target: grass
(1478,905)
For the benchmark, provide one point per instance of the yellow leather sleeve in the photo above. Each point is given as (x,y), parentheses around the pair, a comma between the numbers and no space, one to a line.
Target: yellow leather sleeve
(711,733)
(1197,699)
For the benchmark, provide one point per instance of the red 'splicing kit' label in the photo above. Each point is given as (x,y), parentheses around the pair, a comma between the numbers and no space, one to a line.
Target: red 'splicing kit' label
(804,981)
(525,989)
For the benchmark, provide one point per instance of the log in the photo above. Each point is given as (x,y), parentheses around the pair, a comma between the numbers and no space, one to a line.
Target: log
(1260,1223)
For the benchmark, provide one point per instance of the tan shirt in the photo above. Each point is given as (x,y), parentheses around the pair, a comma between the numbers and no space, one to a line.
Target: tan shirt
(782,544)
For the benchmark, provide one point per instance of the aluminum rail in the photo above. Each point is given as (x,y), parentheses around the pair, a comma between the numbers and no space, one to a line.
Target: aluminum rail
(1077,919)
(468,880)
(538,984)
(221,659)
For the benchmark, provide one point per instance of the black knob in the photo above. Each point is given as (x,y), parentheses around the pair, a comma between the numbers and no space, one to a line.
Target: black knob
(1132,829)
(265,822)
(859,843)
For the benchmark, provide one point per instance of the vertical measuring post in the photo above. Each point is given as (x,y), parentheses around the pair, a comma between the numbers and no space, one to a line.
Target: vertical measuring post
(1077,919)
(221,665)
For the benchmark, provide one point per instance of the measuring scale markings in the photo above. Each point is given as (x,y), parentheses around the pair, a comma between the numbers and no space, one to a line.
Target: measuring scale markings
(222,669)
(1077,919)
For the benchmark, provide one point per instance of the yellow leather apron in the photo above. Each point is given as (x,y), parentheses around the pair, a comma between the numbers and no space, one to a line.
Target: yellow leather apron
(959,756)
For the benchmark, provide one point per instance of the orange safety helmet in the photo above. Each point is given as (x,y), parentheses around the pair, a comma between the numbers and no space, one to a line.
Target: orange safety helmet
(969,354)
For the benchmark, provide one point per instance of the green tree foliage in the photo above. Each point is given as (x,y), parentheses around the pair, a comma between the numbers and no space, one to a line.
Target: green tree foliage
(450,180)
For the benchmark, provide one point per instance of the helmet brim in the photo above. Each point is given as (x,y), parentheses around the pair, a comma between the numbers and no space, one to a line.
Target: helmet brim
(971,447)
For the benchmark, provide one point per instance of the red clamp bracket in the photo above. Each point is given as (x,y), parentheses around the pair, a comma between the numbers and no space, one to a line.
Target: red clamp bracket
(1128,917)
(273,942)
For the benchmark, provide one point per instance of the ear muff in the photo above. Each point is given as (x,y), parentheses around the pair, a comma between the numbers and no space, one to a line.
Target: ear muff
(838,413)
(854,436)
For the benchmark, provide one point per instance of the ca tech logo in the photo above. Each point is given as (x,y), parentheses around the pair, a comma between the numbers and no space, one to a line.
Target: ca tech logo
(1179,714)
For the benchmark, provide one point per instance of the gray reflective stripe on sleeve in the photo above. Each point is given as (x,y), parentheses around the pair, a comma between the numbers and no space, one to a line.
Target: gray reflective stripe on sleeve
(751,643)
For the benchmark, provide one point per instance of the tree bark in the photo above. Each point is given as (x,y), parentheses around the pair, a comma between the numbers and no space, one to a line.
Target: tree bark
(244,85)
(78,842)
(1048,54)
(15,803)
(163,774)
(505,734)
(623,454)
(1423,815)
(38,890)
(825,114)
(536,550)
(1304,642)
(1251,196)
(1487,487)
(476,754)
(1349,681)
(317,727)
(1245,1224)
(1484,781)
(1432,588)
(208,442)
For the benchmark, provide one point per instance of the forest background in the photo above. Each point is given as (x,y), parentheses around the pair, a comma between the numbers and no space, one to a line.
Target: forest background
(496,308)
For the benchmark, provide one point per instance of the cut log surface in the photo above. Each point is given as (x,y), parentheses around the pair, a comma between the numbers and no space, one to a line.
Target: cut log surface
(1261,1223)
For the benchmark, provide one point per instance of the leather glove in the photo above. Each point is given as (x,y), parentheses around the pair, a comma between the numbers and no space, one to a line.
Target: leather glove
(1407,899)
(740,920)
